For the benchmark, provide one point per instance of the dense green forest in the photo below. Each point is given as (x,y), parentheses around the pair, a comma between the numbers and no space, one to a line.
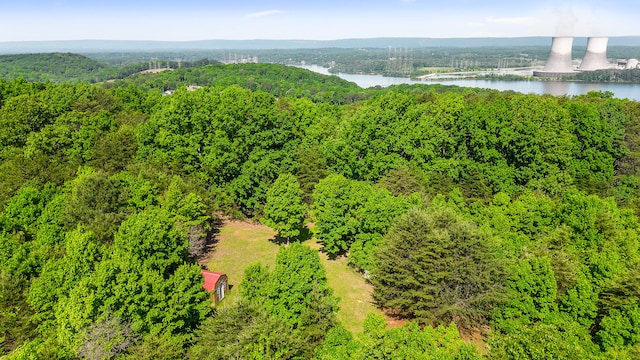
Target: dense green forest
(68,67)
(295,82)
(499,216)
(47,67)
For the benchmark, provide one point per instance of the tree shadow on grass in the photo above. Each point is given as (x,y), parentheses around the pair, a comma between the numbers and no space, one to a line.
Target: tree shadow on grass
(201,247)
(333,257)
(305,234)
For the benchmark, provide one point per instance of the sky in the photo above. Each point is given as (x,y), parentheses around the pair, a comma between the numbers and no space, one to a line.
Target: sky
(185,20)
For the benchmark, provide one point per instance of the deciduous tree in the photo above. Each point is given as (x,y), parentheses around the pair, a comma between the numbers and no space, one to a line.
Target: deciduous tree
(284,210)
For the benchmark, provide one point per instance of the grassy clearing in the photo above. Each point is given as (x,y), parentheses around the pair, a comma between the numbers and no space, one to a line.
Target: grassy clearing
(354,292)
(430,70)
(241,244)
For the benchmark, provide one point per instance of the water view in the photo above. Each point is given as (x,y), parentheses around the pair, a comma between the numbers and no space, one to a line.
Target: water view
(557,88)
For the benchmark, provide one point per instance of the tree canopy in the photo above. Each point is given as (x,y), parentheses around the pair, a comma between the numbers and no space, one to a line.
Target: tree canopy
(283,208)
(511,217)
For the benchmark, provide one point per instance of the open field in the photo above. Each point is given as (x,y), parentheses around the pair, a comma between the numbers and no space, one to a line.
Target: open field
(354,292)
(241,244)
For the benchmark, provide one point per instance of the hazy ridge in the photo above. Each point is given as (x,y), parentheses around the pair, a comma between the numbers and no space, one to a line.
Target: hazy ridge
(123,45)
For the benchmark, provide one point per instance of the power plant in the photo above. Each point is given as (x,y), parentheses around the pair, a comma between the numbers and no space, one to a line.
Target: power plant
(596,56)
(560,62)
(560,57)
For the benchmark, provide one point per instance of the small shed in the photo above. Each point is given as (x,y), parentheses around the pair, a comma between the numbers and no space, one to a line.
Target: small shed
(215,283)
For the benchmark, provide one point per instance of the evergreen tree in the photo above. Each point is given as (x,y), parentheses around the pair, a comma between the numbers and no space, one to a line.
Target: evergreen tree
(312,169)
(437,267)
(15,313)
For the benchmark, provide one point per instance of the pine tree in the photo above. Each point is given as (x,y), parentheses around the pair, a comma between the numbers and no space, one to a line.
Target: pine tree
(436,267)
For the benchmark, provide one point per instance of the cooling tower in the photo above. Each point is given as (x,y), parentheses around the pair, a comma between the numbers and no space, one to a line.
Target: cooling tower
(596,56)
(560,57)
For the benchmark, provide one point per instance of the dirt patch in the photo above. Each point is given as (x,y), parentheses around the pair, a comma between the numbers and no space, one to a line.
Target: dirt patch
(393,320)
(154,71)
(243,225)
(476,337)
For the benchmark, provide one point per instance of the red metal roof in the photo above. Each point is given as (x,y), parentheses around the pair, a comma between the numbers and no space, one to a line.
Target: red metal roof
(210,279)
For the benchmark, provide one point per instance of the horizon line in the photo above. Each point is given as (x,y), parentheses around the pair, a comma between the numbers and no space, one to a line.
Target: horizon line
(326,40)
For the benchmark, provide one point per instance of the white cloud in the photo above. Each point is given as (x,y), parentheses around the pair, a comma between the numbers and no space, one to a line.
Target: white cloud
(264,13)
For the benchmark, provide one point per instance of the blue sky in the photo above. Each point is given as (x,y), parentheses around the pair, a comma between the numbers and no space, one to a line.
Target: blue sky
(22,20)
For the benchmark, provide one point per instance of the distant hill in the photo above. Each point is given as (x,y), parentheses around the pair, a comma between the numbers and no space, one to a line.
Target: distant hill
(64,67)
(48,67)
(278,80)
(87,46)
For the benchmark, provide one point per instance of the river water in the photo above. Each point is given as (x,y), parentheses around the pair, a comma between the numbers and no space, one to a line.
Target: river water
(557,88)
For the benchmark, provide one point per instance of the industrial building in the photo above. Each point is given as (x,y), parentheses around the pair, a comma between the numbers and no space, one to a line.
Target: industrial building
(596,56)
(624,64)
(560,62)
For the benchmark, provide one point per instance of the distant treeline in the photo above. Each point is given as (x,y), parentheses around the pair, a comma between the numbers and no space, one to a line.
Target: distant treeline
(272,78)
(622,76)
(387,60)
(48,67)
(68,67)
(392,61)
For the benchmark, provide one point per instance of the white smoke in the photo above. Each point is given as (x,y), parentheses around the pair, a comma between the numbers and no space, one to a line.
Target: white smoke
(579,20)
(566,22)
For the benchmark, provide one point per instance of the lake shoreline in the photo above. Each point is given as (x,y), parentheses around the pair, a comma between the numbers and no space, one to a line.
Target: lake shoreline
(552,87)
